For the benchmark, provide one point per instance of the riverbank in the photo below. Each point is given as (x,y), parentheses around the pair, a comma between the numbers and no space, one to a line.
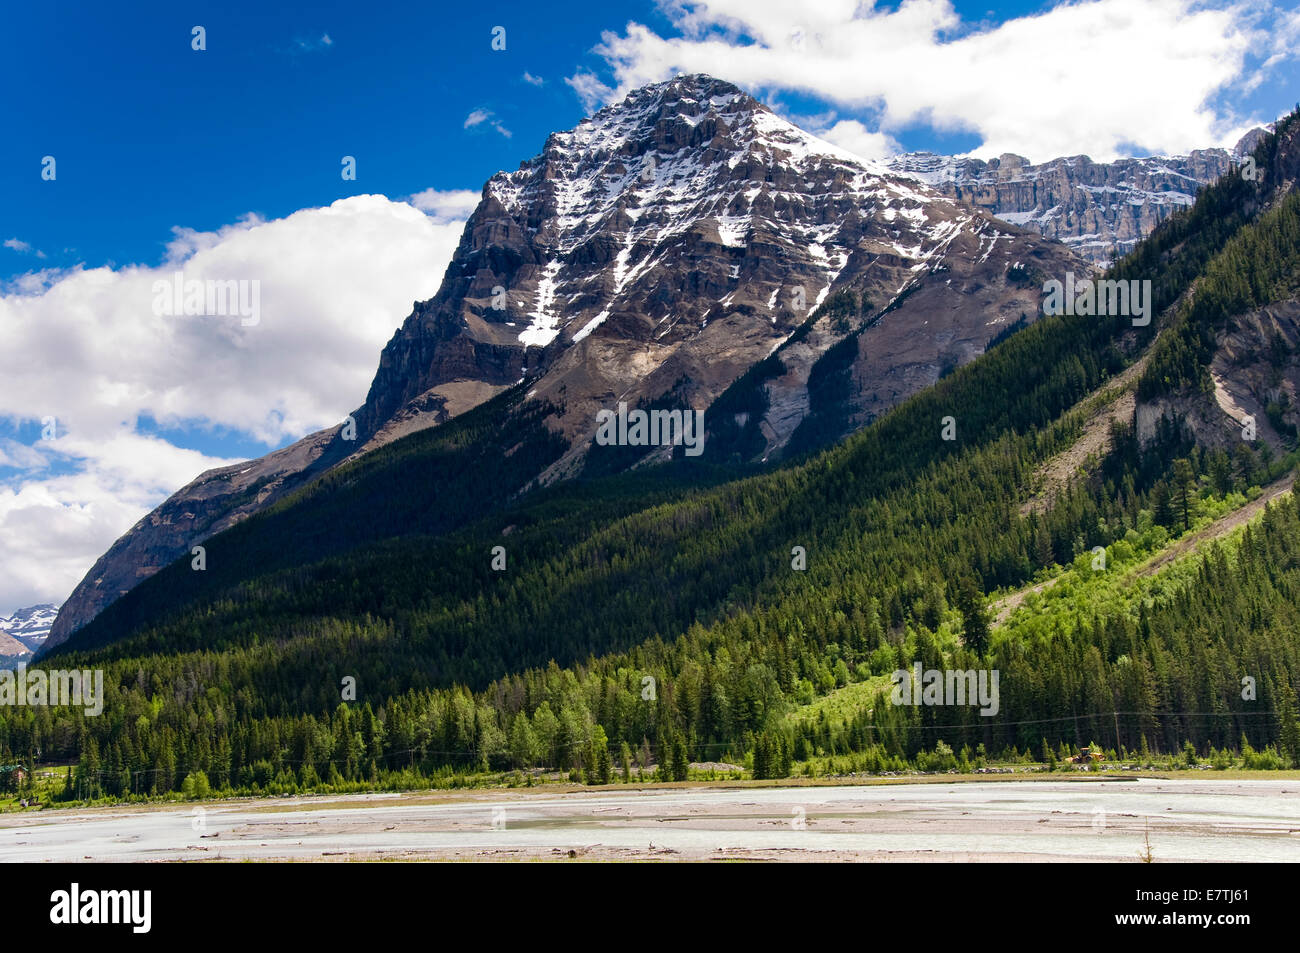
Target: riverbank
(989,819)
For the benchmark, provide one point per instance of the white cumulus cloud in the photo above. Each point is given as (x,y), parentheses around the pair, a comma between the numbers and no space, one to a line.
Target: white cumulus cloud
(446,207)
(85,347)
(856,138)
(1101,77)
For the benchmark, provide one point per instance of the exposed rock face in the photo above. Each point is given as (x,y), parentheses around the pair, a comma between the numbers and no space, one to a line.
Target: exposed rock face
(1256,374)
(1255,367)
(944,311)
(989,279)
(665,245)
(12,652)
(1100,209)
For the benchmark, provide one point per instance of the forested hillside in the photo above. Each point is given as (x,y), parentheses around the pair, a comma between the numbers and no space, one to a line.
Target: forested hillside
(688,613)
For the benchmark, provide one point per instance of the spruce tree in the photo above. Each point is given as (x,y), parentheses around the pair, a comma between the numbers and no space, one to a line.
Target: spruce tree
(760,757)
(975,617)
(1161,509)
(1288,729)
(599,769)
(1184,490)
(681,763)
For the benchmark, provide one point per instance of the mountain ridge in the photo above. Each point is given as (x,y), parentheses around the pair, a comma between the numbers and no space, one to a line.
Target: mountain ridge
(1100,209)
(754,596)
(660,250)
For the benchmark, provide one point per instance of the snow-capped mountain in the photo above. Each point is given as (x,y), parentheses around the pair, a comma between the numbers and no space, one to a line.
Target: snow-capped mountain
(24,632)
(657,252)
(1100,209)
(672,241)
(31,625)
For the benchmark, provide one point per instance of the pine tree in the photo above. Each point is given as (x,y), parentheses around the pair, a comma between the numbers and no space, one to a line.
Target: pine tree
(681,762)
(1221,472)
(1245,459)
(599,769)
(1161,508)
(523,743)
(783,756)
(1184,490)
(761,757)
(1288,728)
(975,617)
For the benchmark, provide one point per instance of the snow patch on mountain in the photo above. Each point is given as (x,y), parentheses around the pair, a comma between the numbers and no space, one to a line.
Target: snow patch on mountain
(690,156)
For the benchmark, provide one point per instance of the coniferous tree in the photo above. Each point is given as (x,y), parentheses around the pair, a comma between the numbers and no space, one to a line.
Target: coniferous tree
(1184,490)
(1288,729)
(1244,457)
(975,618)
(761,757)
(1162,510)
(1221,472)
(681,762)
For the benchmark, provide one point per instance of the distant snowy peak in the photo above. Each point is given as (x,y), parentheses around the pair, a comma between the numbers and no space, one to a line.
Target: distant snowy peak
(1100,209)
(30,626)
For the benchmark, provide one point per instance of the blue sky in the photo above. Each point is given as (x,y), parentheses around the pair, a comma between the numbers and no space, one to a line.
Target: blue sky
(227,162)
(148,133)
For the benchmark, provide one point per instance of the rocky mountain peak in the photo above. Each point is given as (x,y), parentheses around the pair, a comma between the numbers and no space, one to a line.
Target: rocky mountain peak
(658,251)
(684,204)
(667,156)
